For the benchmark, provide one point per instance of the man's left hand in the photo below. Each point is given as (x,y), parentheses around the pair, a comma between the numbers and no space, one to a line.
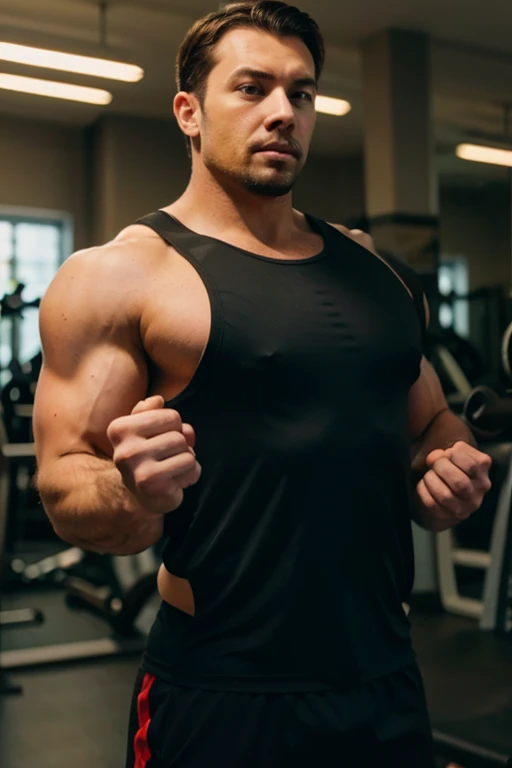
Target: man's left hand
(455,483)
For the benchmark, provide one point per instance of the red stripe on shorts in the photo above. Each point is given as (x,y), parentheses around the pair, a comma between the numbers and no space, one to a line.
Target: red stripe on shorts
(140,742)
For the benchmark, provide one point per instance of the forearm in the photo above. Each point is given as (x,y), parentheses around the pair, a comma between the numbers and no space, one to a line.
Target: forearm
(90,507)
(443,432)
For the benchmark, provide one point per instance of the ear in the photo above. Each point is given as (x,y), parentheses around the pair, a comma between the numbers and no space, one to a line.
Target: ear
(187,111)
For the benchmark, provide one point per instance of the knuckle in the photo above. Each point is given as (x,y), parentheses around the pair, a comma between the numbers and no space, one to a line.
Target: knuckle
(440,465)
(445,497)
(187,464)
(177,499)
(463,487)
(173,417)
(190,460)
(147,486)
(191,478)
(429,478)
(123,454)
(478,500)
(430,503)
(115,431)
(144,477)
(180,441)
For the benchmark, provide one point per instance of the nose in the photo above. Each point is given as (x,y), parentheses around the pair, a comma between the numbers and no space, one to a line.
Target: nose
(280,112)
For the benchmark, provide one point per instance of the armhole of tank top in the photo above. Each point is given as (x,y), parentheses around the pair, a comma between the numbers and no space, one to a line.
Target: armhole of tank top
(416,296)
(378,256)
(205,365)
(413,294)
(415,287)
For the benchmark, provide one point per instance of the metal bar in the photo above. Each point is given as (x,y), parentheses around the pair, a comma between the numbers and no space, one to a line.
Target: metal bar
(55,654)
(472,558)
(18,450)
(464,606)
(492,616)
(475,755)
(24,411)
(21,617)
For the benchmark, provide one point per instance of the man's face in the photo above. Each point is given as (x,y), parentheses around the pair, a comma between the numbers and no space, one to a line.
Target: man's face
(258,113)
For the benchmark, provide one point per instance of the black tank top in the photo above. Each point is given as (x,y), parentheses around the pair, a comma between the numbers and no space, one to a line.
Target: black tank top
(297,538)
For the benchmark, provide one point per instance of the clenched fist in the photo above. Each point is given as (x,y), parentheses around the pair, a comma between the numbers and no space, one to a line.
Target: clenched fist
(455,483)
(154,453)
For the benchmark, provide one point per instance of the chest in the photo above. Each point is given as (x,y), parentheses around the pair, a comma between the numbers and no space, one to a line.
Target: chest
(324,325)
(328,328)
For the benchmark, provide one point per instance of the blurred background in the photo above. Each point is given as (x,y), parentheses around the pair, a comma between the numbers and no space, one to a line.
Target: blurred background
(418,152)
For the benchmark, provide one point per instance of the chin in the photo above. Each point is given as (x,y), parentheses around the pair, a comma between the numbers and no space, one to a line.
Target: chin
(269,187)
(269,190)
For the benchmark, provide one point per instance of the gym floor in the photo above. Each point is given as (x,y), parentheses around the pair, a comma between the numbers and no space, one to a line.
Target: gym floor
(76,714)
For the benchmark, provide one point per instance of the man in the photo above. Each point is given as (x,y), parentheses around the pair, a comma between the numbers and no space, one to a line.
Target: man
(293,352)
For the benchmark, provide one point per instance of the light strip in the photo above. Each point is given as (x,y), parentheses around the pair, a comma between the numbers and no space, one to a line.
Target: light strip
(70,62)
(330,106)
(480,154)
(54,89)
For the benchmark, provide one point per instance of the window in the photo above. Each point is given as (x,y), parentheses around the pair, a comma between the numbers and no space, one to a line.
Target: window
(452,283)
(31,251)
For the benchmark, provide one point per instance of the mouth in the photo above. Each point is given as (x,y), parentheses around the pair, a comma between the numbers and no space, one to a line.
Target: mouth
(278,151)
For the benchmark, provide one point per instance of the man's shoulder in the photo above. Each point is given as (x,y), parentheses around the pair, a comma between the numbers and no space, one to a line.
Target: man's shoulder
(138,234)
(100,280)
(360,237)
(129,249)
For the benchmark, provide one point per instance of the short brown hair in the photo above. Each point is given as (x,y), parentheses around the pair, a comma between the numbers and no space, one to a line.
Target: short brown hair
(195,58)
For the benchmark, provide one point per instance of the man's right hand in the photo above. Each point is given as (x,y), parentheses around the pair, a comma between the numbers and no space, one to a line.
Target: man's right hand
(154,453)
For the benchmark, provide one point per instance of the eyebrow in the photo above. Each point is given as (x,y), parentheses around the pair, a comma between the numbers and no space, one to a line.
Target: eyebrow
(261,75)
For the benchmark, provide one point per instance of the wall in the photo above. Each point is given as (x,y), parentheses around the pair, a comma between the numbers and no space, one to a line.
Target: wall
(107,176)
(142,164)
(476,223)
(331,189)
(42,165)
(139,165)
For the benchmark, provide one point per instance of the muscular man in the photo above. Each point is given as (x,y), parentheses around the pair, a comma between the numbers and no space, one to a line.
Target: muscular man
(291,352)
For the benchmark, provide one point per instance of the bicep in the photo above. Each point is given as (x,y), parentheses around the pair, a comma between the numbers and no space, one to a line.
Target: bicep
(93,371)
(426,400)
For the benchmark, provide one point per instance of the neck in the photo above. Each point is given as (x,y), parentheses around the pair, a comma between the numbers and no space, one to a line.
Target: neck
(213,206)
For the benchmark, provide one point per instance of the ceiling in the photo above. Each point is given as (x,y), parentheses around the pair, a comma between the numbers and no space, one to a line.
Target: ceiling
(471,62)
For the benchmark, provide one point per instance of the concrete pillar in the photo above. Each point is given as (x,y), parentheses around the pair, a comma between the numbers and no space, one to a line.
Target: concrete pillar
(400,175)
(400,183)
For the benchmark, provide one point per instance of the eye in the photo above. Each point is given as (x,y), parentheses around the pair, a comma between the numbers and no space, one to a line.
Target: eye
(303,96)
(250,90)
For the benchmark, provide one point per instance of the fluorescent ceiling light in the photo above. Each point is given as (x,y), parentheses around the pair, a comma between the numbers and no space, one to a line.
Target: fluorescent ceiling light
(70,62)
(481,154)
(54,89)
(330,106)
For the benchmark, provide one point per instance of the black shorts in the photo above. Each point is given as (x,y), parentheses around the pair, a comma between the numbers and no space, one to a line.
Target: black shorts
(382,723)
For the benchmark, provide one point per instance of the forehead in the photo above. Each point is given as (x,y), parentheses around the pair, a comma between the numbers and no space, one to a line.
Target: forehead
(281,56)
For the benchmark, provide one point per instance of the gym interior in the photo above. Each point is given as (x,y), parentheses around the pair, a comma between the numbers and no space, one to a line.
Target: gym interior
(417,150)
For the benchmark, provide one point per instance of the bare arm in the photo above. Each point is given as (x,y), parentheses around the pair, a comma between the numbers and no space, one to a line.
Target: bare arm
(94,371)
(431,423)
(451,476)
